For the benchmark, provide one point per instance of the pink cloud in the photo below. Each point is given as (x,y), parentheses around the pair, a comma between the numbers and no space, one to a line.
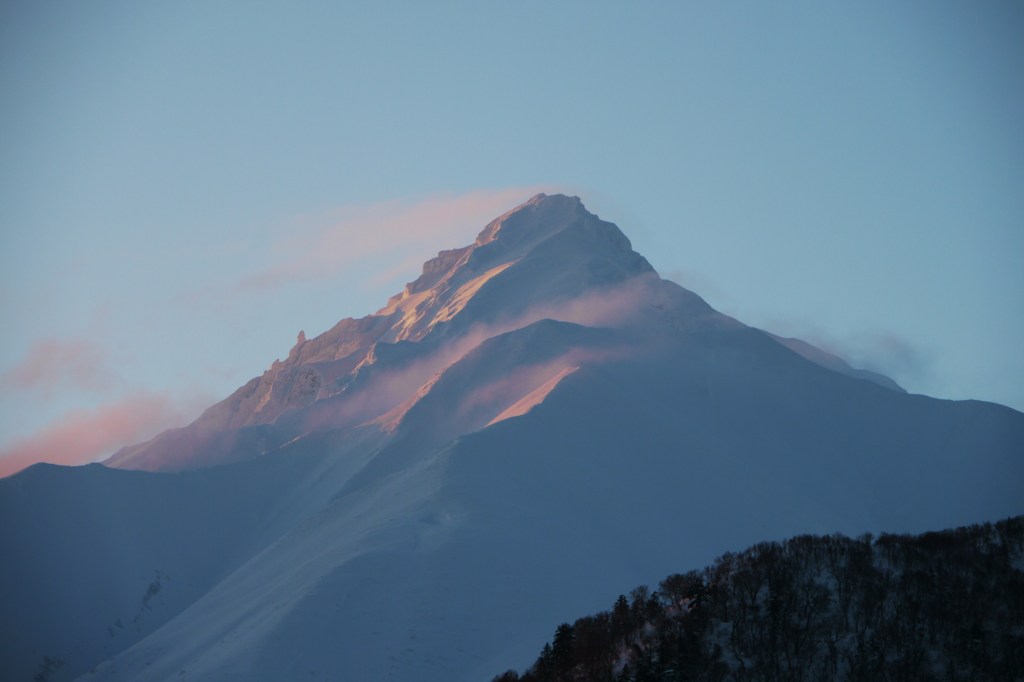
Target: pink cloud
(410,230)
(84,436)
(53,364)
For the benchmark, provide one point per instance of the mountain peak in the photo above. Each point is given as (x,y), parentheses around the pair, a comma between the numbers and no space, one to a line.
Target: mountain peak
(549,247)
(541,213)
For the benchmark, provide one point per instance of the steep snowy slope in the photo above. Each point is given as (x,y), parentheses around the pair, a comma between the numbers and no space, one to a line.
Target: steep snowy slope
(453,563)
(99,558)
(419,494)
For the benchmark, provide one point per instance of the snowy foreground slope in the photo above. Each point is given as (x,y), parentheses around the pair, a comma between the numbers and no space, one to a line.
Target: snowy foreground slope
(534,425)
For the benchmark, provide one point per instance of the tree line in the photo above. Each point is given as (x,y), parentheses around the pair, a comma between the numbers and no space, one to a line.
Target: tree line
(946,605)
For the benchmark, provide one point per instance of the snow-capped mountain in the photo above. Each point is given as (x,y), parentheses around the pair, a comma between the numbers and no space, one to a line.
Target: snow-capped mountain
(511,440)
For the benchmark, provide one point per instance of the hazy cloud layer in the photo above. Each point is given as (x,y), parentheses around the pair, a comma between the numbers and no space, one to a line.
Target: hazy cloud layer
(407,231)
(885,352)
(61,364)
(888,353)
(85,436)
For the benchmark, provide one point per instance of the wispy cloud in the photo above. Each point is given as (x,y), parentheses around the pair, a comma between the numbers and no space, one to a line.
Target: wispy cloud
(697,282)
(406,230)
(886,352)
(84,436)
(61,364)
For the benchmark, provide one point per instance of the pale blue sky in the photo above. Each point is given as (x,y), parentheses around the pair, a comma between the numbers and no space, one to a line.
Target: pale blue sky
(852,173)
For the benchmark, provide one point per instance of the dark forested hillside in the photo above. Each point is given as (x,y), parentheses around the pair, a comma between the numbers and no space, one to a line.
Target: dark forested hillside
(940,606)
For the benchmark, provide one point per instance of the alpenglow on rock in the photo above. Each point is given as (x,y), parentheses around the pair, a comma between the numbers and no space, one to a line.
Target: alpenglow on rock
(535,424)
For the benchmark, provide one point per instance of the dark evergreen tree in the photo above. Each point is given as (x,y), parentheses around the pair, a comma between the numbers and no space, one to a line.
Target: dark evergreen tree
(562,654)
